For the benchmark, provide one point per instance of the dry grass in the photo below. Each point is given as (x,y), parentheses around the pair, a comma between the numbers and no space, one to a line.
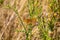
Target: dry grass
(10,23)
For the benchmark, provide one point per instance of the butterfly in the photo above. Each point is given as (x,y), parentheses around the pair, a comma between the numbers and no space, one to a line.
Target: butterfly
(32,21)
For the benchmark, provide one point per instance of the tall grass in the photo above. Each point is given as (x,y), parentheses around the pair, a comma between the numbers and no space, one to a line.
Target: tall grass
(44,24)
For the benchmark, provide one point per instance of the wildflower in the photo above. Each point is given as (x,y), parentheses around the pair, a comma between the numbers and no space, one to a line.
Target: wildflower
(55,14)
(49,19)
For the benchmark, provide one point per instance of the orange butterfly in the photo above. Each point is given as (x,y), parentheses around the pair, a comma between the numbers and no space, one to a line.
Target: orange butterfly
(33,21)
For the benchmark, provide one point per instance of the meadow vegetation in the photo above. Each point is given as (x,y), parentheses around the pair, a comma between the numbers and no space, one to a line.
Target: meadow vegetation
(29,20)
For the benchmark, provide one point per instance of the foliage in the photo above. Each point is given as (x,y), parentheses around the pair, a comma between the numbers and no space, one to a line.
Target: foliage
(44,23)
